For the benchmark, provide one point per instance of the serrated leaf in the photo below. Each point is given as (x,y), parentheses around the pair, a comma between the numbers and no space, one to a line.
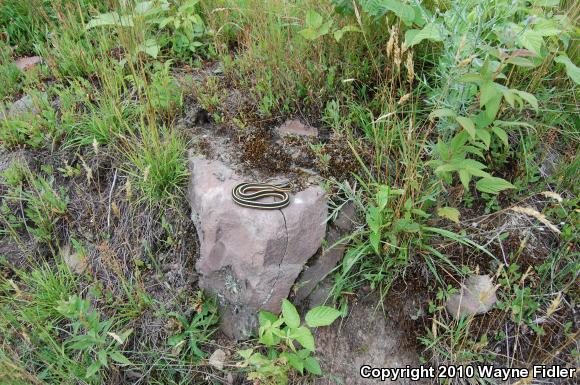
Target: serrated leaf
(312,366)
(321,316)
(304,337)
(531,99)
(489,90)
(493,185)
(149,47)
(571,69)
(467,124)
(290,314)
(484,135)
(294,360)
(501,134)
(531,40)
(464,177)
(449,213)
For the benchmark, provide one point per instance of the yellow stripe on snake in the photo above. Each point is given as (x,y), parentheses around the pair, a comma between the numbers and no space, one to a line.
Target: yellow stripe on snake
(250,195)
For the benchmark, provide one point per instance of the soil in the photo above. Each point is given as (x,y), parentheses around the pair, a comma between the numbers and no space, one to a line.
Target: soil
(369,335)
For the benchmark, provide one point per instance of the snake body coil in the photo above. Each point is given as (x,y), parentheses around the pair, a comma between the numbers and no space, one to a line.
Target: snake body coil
(249,195)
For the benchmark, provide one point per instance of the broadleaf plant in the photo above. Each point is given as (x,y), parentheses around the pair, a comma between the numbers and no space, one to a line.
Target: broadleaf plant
(288,344)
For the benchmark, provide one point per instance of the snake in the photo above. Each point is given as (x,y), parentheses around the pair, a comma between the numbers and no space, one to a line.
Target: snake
(250,195)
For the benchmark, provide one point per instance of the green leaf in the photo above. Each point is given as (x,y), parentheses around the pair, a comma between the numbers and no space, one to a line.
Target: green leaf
(571,69)
(304,337)
(290,314)
(547,27)
(313,19)
(321,316)
(340,32)
(471,78)
(442,113)
(294,360)
(120,358)
(464,177)
(312,366)
(449,213)
(264,316)
(309,34)
(102,357)
(431,32)
(149,47)
(403,11)
(521,61)
(267,338)
(245,353)
(489,90)
(467,124)
(112,18)
(531,99)
(93,369)
(531,40)
(501,134)
(493,185)
(484,135)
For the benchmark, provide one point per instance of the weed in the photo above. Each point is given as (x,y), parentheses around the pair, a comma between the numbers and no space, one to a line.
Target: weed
(281,333)
(197,331)
(98,345)
(157,165)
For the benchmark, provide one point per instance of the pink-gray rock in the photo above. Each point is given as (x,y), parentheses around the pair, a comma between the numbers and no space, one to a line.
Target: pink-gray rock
(476,296)
(294,127)
(27,62)
(250,258)
(326,261)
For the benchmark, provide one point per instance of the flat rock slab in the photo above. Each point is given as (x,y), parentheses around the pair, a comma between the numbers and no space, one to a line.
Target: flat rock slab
(250,258)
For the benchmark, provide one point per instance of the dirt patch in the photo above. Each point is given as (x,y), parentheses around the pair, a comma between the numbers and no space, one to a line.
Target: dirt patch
(367,337)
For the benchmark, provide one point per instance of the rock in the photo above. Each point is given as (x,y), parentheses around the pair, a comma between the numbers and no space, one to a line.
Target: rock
(294,127)
(76,261)
(24,105)
(331,254)
(476,296)
(25,63)
(217,359)
(250,258)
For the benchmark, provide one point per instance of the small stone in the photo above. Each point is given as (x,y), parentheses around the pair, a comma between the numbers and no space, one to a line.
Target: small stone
(25,63)
(294,127)
(77,262)
(476,296)
(217,359)
(24,105)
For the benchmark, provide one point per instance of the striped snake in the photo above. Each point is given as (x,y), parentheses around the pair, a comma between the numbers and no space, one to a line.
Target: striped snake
(249,195)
